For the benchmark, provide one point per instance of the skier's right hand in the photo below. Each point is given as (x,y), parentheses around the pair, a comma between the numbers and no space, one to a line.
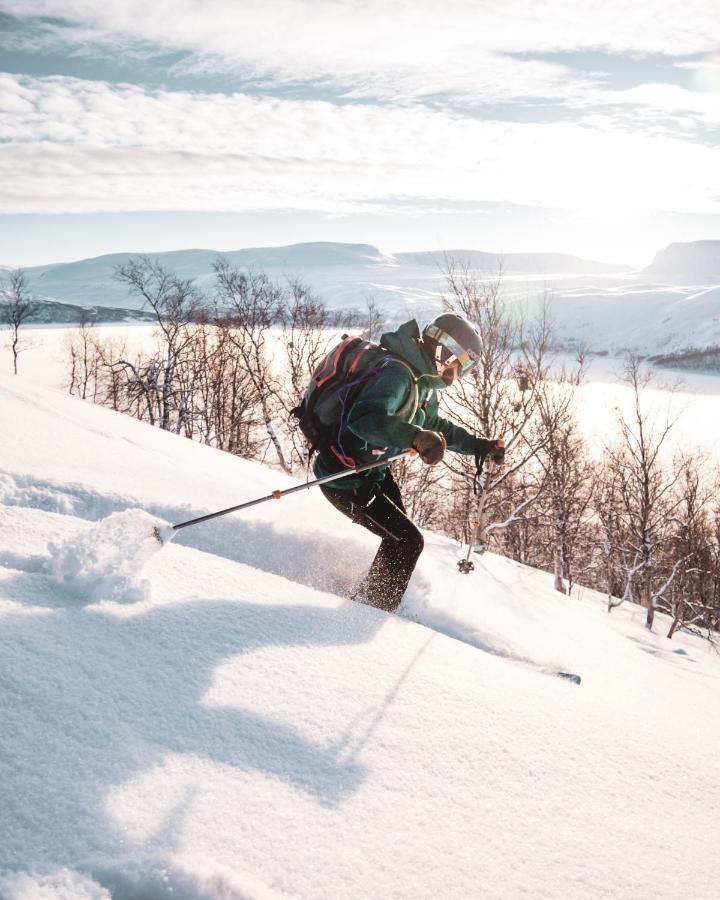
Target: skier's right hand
(493,447)
(430,445)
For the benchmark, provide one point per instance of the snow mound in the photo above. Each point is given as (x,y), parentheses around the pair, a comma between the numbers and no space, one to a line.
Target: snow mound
(64,884)
(104,561)
(180,877)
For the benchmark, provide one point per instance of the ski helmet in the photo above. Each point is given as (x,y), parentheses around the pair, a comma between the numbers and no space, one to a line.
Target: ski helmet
(452,339)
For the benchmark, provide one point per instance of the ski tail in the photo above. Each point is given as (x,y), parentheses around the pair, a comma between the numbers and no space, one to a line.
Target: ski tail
(569,676)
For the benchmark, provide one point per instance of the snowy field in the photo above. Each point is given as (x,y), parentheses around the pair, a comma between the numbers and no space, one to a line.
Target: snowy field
(212,719)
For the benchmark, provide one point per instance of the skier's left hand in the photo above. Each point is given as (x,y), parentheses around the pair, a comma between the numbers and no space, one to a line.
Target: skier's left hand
(492,448)
(430,445)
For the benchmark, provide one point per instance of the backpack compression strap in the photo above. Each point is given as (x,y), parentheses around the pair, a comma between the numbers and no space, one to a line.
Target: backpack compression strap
(331,362)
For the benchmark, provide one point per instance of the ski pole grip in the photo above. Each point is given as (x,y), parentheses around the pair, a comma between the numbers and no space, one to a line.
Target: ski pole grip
(491,463)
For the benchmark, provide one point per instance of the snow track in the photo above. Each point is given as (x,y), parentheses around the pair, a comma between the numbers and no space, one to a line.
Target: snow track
(105,561)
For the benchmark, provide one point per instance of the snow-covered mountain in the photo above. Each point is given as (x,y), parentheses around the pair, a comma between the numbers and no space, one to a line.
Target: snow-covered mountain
(91,281)
(696,262)
(211,719)
(669,309)
(53,312)
(344,274)
(547,264)
(650,319)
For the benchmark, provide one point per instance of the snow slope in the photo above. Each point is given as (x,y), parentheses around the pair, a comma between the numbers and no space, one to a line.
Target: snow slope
(212,719)
(683,263)
(642,318)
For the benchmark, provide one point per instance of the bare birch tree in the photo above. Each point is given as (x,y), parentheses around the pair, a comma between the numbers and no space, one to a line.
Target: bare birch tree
(84,358)
(645,487)
(563,503)
(690,595)
(16,309)
(305,335)
(499,398)
(374,319)
(252,303)
(175,302)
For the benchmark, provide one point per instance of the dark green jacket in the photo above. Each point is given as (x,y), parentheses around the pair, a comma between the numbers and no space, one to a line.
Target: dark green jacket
(373,422)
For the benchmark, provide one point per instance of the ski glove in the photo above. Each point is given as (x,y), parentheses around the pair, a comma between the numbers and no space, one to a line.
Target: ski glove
(489,448)
(430,445)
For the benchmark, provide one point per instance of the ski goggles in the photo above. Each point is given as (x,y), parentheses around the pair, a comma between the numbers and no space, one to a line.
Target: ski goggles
(450,353)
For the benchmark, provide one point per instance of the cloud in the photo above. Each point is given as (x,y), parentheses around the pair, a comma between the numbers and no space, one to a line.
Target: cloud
(392,51)
(654,109)
(70,145)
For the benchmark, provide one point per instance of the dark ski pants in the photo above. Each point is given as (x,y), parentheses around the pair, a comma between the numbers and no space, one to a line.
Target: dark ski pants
(381,511)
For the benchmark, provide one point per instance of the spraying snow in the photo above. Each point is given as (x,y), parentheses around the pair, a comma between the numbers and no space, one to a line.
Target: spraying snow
(105,561)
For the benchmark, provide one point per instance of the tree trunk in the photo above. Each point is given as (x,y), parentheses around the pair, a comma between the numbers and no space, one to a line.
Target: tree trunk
(559,583)
(677,620)
(650,618)
(276,443)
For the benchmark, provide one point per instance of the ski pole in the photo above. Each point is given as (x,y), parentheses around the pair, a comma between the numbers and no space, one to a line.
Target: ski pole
(277,495)
(466,565)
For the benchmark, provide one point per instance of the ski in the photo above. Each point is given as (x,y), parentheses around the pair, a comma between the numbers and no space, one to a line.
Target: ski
(528,664)
(567,676)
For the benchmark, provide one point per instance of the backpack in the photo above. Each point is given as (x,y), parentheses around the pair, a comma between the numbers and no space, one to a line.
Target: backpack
(336,383)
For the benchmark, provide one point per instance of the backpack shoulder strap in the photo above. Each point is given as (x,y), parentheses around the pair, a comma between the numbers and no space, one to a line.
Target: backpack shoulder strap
(409,408)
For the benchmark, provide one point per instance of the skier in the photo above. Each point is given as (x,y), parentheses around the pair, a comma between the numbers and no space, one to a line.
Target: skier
(395,410)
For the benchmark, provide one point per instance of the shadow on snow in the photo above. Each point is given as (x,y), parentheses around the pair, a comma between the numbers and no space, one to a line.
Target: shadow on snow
(92,701)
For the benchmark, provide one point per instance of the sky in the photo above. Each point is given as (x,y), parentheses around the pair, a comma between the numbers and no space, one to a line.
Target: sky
(521,125)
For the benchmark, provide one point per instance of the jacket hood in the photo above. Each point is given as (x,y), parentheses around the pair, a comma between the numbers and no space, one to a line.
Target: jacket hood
(405,342)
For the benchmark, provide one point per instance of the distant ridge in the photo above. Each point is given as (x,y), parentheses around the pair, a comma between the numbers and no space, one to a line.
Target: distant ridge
(525,263)
(670,309)
(328,266)
(695,262)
